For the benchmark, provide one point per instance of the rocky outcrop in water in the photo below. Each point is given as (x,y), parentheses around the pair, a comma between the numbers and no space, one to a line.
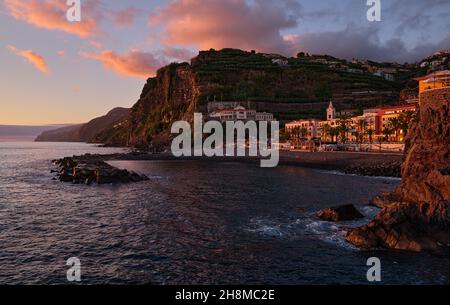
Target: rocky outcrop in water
(88,169)
(340,213)
(384,169)
(416,216)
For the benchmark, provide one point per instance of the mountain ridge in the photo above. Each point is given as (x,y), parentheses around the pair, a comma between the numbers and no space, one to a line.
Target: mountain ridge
(84,132)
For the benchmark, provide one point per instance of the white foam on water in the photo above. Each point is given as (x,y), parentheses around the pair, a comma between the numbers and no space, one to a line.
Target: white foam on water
(330,232)
(264,227)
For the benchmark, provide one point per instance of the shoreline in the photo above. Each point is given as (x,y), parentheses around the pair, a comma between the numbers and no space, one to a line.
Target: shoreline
(362,164)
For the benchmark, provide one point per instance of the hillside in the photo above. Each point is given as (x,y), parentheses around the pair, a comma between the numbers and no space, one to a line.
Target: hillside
(288,87)
(85,132)
(22,132)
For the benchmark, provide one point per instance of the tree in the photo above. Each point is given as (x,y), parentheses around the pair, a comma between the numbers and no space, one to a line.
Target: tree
(344,127)
(387,132)
(326,128)
(405,119)
(334,132)
(370,133)
(361,126)
(394,125)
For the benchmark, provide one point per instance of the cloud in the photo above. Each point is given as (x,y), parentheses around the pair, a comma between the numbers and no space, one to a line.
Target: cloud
(61,53)
(37,60)
(233,23)
(51,15)
(125,18)
(179,54)
(362,42)
(133,63)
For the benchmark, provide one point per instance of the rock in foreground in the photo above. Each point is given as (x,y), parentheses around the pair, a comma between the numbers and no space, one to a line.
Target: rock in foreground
(340,213)
(416,216)
(90,169)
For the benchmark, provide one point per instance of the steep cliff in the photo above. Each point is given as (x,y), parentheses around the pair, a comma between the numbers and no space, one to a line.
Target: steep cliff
(288,87)
(85,132)
(171,95)
(416,215)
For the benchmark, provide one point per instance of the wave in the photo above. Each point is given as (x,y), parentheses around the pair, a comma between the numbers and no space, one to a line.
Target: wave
(311,226)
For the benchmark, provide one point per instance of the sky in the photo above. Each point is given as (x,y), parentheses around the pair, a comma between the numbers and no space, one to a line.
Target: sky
(56,72)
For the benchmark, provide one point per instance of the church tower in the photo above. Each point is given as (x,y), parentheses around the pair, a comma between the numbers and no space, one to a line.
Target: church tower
(331,112)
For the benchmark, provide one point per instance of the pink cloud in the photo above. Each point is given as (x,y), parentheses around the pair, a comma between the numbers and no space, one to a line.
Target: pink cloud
(61,53)
(233,23)
(37,60)
(133,63)
(51,15)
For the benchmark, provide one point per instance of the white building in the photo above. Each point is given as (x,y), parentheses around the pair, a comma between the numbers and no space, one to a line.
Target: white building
(240,113)
(264,116)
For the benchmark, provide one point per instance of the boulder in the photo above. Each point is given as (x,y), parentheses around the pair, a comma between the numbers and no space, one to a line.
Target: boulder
(340,213)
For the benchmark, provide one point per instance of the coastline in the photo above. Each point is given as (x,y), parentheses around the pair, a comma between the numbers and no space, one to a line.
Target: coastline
(364,164)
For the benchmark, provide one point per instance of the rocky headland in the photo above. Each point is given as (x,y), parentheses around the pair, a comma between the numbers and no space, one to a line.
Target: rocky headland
(85,132)
(416,216)
(88,169)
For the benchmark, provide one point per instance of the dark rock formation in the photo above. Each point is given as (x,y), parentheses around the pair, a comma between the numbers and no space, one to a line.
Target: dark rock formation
(416,215)
(340,213)
(85,132)
(385,169)
(88,169)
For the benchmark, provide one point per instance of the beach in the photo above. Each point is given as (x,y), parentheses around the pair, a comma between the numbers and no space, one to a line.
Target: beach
(370,164)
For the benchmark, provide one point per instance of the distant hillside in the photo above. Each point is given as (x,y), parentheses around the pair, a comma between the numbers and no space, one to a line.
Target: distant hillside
(23,133)
(288,87)
(85,132)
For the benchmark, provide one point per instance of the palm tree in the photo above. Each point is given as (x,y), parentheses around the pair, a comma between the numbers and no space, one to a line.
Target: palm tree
(326,128)
(394,124)
(334,132)
(404,121)
(370,133)
(361,126)
(344,127)
(387,131)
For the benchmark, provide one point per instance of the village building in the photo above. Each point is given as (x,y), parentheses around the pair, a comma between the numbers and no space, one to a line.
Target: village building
(240,113)
(434,80)
(375,121)
(307,129)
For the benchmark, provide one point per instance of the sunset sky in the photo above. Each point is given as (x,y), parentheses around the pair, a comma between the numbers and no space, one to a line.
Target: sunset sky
(54,72)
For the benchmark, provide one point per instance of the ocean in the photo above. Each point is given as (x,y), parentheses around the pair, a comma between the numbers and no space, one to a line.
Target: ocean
(193,222)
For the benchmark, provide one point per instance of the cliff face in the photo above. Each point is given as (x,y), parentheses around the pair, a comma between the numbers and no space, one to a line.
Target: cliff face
(288,90)
(171,95)
(416,216)
(85,132)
